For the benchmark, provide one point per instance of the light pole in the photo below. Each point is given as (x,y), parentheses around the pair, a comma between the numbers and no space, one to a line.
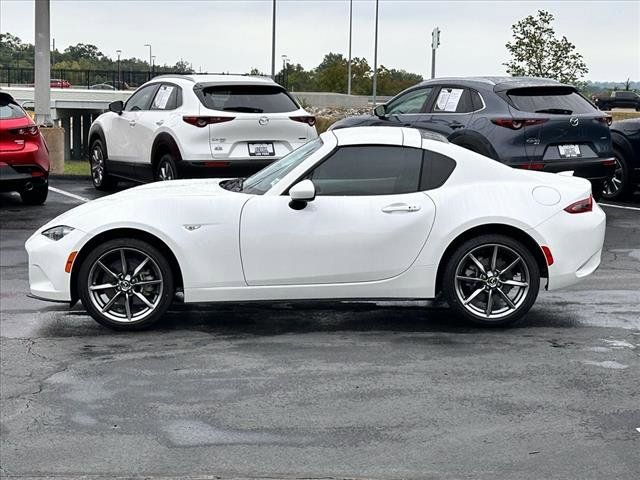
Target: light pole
(149,45)
(284,69)
(153,64)
(375,59)
(350,32)
(119,80)
(273,42)
(435,43)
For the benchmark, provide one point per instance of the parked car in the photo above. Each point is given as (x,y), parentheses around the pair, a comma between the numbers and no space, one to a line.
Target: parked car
(179,126)
(529,123)
(102,86)
(59,83)
(24,157)
(625,135)
(358,213)
(621,99)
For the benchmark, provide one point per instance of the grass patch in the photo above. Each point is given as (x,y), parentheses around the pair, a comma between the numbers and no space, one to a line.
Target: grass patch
(75,167)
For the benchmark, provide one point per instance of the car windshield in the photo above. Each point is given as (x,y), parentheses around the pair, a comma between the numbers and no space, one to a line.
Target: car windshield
(268,177)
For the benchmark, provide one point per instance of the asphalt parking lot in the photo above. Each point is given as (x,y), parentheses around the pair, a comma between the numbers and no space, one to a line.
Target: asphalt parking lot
(343,390)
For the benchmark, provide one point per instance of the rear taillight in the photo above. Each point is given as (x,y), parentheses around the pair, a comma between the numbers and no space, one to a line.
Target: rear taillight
(531,166)
(581,206)
(607,119)
(518,123)
(204,121)
(308,119)
(30,131)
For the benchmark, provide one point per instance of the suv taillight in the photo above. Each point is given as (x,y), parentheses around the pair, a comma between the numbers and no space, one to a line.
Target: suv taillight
(517,123)
(581,206)
(204,121)
(30,131)
(606,119)
(308,119)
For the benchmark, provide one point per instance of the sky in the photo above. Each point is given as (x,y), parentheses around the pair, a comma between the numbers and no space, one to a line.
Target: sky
(235,35)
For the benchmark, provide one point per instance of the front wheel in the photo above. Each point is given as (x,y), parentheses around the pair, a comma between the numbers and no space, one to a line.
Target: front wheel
(492,280)
(126,284)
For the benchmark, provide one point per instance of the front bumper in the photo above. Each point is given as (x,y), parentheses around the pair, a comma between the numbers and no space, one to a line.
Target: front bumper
(575,241)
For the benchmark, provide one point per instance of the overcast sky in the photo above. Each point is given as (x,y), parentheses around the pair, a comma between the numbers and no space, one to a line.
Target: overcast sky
(234,36)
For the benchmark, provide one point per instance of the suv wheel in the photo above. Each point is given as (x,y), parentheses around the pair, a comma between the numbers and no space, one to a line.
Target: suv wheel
(492,280)
(126,284)
(166,168)
(101,179)
(617,186)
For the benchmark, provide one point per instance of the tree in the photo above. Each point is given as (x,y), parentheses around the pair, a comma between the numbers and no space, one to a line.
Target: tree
(535,51)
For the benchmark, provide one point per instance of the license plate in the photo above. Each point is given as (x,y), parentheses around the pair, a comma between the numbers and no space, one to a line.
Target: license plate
(261,150)
(569,151)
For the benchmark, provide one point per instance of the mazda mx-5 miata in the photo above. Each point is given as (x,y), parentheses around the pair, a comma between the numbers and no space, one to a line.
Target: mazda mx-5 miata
(366,212)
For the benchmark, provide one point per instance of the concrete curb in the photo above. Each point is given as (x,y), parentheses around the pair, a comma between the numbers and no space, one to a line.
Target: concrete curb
(69,177)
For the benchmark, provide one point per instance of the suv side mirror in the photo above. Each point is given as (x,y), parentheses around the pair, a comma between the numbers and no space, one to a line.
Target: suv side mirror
(302,193)
(380,111)
(116,107)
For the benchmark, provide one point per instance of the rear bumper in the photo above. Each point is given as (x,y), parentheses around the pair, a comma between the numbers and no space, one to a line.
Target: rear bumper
(222,168)
(16,180)
(590,168)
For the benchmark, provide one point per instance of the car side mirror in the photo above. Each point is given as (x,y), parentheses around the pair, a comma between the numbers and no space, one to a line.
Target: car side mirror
(116,107)
(380,111)
(302,193)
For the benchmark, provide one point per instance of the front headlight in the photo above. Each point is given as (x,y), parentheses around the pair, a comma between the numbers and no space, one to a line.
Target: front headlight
(56,233)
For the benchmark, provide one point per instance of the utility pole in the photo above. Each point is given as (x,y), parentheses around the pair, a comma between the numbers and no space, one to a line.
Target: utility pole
(350,32)
(149,45)
(435,43)
(42,63)
(375,59)
(273,42)
(119,79)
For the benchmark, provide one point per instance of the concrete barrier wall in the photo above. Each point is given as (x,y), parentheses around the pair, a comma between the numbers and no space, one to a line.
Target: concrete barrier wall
(339,100)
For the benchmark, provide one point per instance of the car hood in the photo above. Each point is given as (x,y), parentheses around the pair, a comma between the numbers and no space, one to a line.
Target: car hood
(158,192)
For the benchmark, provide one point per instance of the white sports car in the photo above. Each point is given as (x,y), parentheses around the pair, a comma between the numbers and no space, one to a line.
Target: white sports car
(369,212)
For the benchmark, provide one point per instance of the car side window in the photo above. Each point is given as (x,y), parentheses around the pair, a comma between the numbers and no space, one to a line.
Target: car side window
(166,97)
(141,99)
(410,102)
(436,170)
(453,100)
(369,170)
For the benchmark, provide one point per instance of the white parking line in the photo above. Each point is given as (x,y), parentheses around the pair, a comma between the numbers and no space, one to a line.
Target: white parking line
(618,206)
(69,194)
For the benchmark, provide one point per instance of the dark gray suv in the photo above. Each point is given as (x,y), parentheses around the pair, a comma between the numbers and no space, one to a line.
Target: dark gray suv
(531,123)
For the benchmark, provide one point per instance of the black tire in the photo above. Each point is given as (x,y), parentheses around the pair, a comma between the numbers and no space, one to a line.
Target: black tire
(619,186)
(98,162)
(154,281)
(36,196)
(459,290)
(166,168)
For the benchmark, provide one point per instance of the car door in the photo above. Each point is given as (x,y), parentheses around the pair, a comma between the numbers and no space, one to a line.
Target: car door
(407,108)
(149,122)
(449,111)
(122,141)
(368,222)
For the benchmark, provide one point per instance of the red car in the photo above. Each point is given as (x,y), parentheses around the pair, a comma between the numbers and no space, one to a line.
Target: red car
(59,83)
(24,156)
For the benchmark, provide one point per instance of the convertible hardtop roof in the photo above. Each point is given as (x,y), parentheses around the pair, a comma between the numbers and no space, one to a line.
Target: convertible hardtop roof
(377,135)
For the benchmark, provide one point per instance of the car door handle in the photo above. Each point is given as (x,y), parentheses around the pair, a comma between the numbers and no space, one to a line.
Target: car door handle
(456,125)
(400,207)
(159,122)
(132,123)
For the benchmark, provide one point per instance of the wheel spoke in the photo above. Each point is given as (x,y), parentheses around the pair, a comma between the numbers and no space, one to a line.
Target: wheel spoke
(515,283)
(506,299)
(124,262)
(477,262)
(511,265)
(106,269)
(103,286)
(143,298)
(110,302)
(473,295)
(494,258)
(139,267)
(148,282)
(469,279)
(127,306)
(489,303)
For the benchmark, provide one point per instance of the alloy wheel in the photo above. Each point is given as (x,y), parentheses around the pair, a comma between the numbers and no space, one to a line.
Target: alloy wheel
(97,165)
(492,281)
(614,184)
(165,171)
(125,285)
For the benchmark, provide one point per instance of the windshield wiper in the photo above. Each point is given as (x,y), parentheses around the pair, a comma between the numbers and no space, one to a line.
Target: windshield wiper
(559,111)
(243,109)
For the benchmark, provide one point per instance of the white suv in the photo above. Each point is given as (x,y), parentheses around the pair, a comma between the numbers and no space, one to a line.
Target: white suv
(196,125)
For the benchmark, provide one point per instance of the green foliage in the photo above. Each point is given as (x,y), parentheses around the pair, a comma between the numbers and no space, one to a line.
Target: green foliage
(535,51)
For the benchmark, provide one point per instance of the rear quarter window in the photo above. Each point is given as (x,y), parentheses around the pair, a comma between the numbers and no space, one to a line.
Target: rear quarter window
(559,100)
(248,98)
(436,170)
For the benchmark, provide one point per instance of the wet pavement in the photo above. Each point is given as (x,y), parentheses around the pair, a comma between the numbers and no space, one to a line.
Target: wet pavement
(315,390)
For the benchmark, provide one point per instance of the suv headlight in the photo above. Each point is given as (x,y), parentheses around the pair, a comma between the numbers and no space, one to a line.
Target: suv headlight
(56,233)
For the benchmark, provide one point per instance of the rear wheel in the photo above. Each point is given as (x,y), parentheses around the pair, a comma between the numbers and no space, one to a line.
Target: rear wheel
(98,161)
(166,168)
(492,280)
(36,195)
(618,185)
(126,284)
